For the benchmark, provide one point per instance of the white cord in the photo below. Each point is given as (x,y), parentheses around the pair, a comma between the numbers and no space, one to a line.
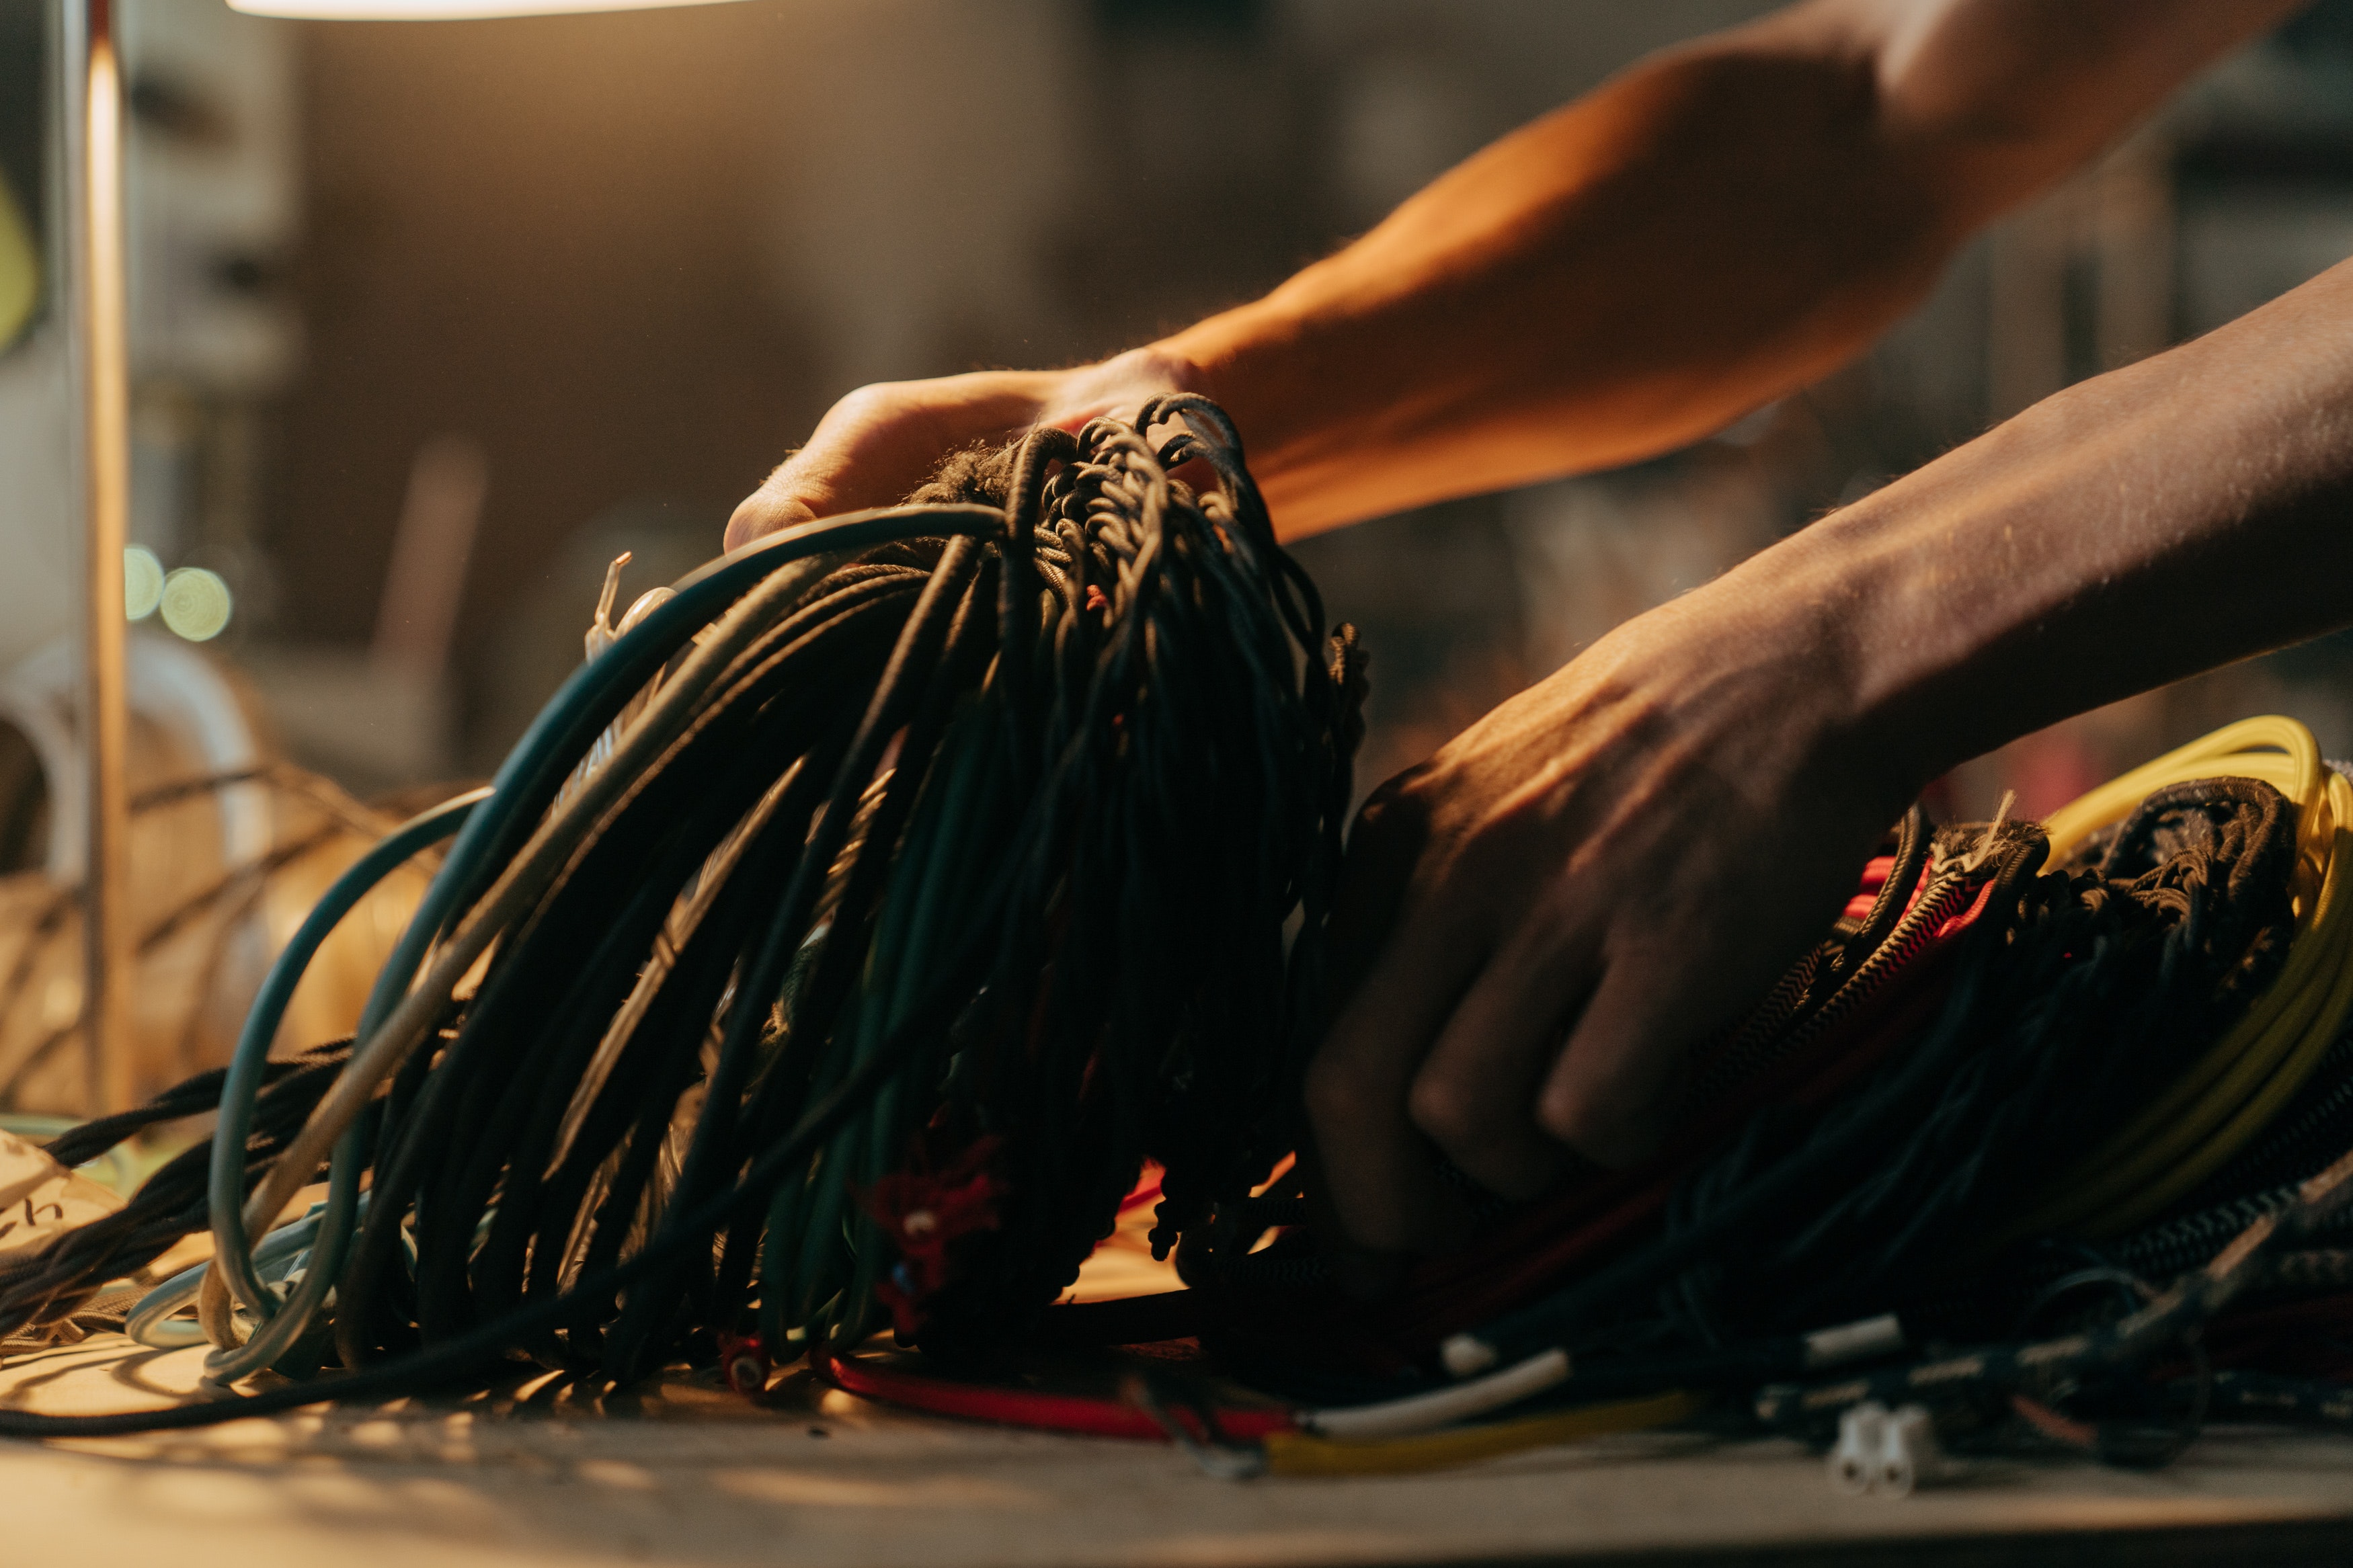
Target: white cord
(1423,1412)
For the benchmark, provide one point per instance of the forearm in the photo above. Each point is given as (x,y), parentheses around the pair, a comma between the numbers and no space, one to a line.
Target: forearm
(1705,233)
(2140,527)
(1715,227)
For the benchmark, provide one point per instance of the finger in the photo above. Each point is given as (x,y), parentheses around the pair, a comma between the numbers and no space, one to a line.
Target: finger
(1383,1184)
(765,512)
(880,442)
(1372,1166)
(1361,1273)
(857,458)
(1612,1089)
(1475,1095)
(1359,1143)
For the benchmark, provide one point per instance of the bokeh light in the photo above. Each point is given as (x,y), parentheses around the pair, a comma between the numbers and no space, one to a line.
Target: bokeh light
(195,604)
(142,582)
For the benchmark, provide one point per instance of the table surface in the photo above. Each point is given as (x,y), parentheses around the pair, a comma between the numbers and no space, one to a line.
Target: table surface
(687,1473)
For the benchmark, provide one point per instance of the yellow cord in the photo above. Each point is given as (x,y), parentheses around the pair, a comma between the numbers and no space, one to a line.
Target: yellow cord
(2254,748)
(1298,1454)
(2226,1097)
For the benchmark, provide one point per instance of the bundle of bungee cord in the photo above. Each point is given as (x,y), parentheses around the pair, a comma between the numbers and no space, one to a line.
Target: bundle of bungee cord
(884,912)
(834,950)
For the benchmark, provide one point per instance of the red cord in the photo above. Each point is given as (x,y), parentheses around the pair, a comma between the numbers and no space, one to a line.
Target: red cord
(1025,1408)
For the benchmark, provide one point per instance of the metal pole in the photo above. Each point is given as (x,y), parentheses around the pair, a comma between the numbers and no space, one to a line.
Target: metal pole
(98,295)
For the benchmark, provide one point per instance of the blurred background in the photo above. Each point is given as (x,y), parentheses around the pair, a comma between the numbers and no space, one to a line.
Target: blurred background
(430,322)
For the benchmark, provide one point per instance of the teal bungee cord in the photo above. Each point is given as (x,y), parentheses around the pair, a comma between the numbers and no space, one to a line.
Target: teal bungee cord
(854,956)
(586,703)
(594,693)
(232,1246)
(151,1321)
(530,776)
(450,1358)
(590,698)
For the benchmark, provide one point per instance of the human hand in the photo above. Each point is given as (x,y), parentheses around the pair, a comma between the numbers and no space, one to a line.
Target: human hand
(880,442)
(1540,922)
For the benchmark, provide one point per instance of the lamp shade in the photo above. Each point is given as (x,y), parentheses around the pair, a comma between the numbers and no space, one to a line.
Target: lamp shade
(439,10)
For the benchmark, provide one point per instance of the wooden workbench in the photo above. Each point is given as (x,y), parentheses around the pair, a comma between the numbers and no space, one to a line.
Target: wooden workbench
(690,1474)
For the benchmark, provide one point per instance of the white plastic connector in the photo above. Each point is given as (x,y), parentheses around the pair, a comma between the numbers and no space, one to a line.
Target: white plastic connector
(1910,1455)
(1861,1445)
(1889,1452)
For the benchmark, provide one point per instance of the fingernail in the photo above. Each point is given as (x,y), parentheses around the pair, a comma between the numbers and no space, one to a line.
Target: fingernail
(759,517)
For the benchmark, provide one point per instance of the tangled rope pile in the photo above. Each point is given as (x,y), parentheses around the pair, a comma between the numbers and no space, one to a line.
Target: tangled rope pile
(948,862)
(887,907)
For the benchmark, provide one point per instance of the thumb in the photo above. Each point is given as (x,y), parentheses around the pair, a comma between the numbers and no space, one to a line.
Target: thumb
(774,506)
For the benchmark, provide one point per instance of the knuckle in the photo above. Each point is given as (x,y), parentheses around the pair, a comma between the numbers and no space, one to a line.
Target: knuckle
(870,404)
(1570,1118)
(1396,813)
(1448,1110)
(1372,817)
